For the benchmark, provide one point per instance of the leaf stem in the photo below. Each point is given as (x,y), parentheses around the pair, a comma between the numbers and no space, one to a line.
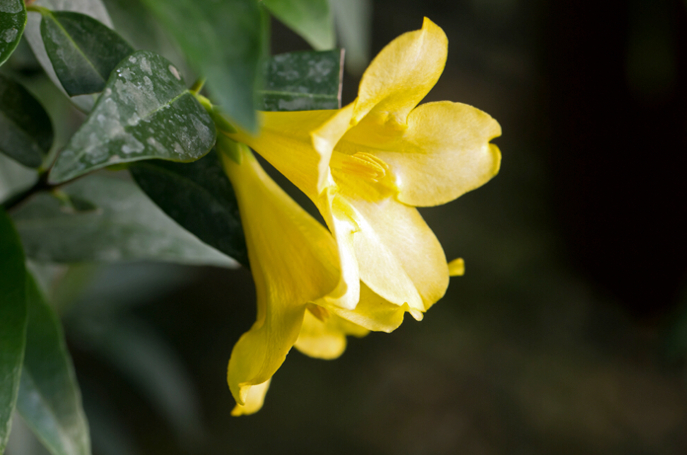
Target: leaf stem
(197,86)
(37,9)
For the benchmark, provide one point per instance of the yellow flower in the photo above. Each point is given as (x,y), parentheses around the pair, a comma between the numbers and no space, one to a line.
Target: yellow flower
(294,262)
(368,165)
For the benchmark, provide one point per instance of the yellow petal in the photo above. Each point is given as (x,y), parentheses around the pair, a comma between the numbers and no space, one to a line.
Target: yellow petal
(402,74)
(326,339)
(444,153)
(398,255)
(254,400)
(376,314)
(343,227)
(293,259)
(456,267)
(299,144)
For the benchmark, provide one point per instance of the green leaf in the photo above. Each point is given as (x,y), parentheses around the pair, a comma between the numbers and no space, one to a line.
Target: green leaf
(94,8)
(126,227)
(144,112)
(223,41)
(354,23)
(199,197)
(26,128)
(12,321)
(49,398)
(12,22)
(309,18)
(82,50)
(301,81)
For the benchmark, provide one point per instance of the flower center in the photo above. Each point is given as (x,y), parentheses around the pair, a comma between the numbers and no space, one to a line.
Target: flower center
(360,164)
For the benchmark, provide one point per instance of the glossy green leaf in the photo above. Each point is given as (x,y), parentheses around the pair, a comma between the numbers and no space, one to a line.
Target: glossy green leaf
(49,398)
(309,18)
(223,41)
(144,112)
(12,23)
(12,322)
(127,226)
(27,133)
(302,81)
(82,50)
(199,197)
(94,8)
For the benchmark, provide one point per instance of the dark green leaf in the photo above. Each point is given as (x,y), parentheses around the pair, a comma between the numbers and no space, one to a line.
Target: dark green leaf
(302,81)
(12,322)
(12,22)
(199,197)
(82,50)
(94,8)
(49,398)
(223,41)
(26,132)
(126,227)
(309,18)
(144,112)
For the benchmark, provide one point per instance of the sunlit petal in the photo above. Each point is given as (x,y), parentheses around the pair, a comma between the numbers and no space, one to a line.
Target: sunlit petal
(402,74)
(375,313)
(293,260)
(325,338)
(444,153)
(399,256)
(254,400)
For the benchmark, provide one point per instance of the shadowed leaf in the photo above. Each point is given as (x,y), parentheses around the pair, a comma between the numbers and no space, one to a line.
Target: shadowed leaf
(12,322)
(127,226)
(26,128)
(82,50)
(49,398)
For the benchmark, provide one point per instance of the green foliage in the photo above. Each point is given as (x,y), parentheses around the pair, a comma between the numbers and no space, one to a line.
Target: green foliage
(12,22)
(94,8)
(126,227)
(309,18)
(12,322)
(223,41)
(142,116)
(302,81)
(27,133)
(49,398)
(144,112)
(199,197)
(82,50)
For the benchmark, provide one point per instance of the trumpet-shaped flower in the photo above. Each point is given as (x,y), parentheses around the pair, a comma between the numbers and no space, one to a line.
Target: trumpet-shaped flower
(368,165)
(294,263)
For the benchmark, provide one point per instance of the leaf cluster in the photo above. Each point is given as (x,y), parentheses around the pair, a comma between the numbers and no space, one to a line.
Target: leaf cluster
(170,200)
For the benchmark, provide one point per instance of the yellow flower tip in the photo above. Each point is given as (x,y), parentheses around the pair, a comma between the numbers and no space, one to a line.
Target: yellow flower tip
(496,156)
(417,315)
(456,267)
(253,401)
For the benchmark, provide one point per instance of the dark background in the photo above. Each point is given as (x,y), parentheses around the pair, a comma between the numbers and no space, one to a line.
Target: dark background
(568,332)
